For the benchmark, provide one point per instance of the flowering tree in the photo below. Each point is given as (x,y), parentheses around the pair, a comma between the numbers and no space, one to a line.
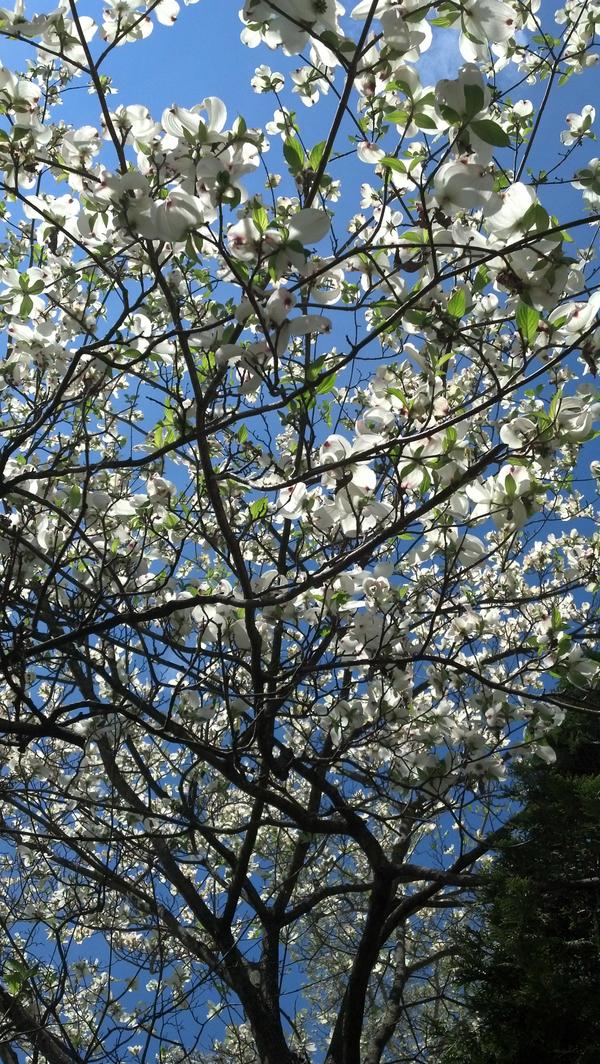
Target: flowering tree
(295,520)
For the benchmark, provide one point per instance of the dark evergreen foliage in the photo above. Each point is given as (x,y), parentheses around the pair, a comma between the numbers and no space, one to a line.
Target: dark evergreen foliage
(529,964)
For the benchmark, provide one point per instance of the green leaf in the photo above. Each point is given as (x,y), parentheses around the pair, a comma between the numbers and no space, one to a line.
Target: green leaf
(397,85)
(457,303)
(536,216)
(450,439)
(482,278)
(393,164)
(26,307)
(242,433)
(542,218)
(443,360)
(16,973)
(445,20)
(555,404)
(294,154)
(450,115)
(501,182)
(527,322)
(326,384)
(585,177)
(400,118)
(260,218)
(316,154)
(474,99)
(259,508)
(331,40)
(491,133)
(416,317)
(420,237)
(424,121)
(399,395)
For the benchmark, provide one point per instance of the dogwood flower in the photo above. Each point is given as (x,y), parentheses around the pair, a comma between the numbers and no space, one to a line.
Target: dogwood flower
(279,305)
(166,12)
(335,449)
(309,225)
(309,84)
(412,467)
(408,37)
(501,497)
(461,100)
(582,670)
(463,547)
(485,21)
(374,425)
(579,126)
(517,433)
(464,184)
(368,152)
(282,123)
(170,220)
(303,325)
(578,317)
(576,417)
(181,122)
(290,502)
(267,80)
(160,490)
(243,238)
(136,124)
(282,27)
(20,285)
(121,23)
(508,220)
(588,180)
(18,94)
(326,287)
(465,96)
